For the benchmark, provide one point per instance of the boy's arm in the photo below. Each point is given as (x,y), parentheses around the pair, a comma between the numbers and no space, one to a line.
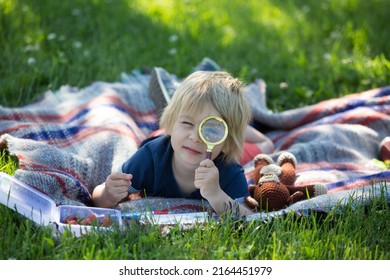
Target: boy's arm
(207,181)
(254,136)
(112,191)
(222,203)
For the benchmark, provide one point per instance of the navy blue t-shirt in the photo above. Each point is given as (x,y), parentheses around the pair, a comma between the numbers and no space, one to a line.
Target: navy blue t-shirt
(151,167)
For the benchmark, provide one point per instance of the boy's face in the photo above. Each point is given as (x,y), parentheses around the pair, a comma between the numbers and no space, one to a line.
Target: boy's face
(188,147)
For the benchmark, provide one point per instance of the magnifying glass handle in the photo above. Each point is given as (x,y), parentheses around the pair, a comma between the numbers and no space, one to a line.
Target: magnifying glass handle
(208,155)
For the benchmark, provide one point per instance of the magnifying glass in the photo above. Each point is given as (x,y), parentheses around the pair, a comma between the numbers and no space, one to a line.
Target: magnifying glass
(213,131)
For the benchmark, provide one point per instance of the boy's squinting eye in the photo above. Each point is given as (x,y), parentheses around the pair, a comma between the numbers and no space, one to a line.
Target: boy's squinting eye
(187,123)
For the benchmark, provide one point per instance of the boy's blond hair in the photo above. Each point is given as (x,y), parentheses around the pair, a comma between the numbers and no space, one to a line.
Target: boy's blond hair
(224,93)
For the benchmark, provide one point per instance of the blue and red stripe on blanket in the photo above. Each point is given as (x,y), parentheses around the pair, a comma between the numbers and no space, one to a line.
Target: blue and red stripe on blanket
(69,142)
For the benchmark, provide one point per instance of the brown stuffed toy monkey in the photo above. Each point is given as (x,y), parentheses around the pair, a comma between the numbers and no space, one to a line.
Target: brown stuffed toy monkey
(274,184)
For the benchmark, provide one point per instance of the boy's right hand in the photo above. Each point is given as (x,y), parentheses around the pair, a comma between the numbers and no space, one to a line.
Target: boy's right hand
(112,191)
(116,187)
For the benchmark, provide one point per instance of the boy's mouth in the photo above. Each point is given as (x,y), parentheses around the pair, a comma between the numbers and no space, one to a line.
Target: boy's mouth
(191,150)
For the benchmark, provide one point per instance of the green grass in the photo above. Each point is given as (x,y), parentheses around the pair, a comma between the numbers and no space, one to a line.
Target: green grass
(306,51)
(321,50)
(346,233)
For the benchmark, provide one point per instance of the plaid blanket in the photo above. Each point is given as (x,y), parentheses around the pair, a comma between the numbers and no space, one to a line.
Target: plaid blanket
(69,142)
(336,143)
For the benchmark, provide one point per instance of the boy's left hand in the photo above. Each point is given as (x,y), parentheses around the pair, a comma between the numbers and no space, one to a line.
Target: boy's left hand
(207,178)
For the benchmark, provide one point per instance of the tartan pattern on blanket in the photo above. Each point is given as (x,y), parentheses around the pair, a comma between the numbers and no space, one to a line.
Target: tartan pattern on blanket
(70,141)
(335,140)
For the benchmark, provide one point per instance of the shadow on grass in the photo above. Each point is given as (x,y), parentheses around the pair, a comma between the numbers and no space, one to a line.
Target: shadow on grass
(281,41)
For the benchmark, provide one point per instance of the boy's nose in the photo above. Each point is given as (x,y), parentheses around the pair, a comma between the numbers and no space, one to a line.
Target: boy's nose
(194,136)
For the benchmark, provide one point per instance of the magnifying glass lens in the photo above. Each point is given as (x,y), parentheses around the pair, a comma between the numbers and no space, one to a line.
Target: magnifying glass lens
(213,130)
